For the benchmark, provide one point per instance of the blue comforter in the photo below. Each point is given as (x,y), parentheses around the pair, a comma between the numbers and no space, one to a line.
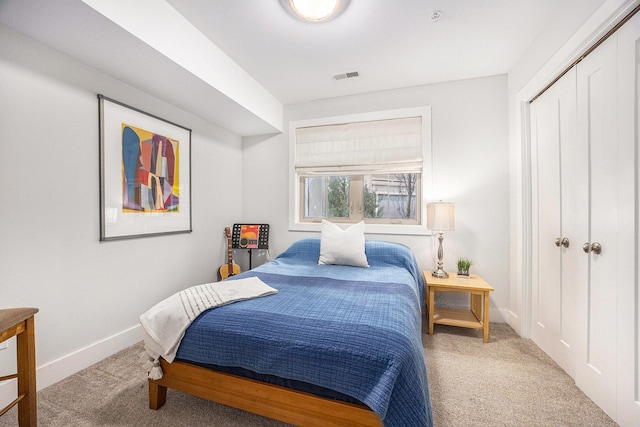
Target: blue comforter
(349,329)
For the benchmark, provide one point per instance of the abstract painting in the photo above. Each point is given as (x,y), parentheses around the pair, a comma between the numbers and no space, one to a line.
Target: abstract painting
(144,173)
(150,172)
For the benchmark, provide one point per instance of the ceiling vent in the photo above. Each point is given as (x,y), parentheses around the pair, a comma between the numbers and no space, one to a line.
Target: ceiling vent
(348,75)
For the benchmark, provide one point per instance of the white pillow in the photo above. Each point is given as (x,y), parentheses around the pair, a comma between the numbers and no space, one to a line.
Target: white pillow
(343,247)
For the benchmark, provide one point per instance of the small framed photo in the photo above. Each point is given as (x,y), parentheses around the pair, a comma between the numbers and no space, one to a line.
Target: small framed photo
(145,173)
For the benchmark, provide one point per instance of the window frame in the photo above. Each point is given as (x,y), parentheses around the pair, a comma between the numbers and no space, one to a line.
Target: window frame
(296,202)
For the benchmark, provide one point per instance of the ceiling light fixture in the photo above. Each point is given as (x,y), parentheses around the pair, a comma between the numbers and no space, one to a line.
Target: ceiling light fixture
(317,10)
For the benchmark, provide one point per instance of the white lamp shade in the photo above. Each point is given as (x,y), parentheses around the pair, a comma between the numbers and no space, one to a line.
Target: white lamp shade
(440,216)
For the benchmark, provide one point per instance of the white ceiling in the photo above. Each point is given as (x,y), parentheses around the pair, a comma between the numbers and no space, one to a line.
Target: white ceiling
(391,43)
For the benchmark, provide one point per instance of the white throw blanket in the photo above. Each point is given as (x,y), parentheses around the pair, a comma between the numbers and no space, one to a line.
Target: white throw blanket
(166,322)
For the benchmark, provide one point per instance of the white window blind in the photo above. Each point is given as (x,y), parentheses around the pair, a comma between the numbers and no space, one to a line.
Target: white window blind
(380,146)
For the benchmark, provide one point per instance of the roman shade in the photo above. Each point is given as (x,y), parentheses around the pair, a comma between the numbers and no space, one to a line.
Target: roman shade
(379,146)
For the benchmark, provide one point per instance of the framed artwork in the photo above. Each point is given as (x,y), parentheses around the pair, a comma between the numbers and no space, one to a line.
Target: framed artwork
(145,173)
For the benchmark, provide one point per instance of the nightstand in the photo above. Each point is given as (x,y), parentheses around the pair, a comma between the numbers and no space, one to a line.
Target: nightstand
(477,317)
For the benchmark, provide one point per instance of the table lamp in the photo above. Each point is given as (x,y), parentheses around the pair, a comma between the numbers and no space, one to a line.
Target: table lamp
(440,218)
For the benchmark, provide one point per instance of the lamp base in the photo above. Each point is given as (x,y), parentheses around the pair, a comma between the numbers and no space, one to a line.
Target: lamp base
(440,274)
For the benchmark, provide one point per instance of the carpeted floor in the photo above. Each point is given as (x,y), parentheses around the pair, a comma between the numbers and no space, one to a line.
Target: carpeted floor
(506,382)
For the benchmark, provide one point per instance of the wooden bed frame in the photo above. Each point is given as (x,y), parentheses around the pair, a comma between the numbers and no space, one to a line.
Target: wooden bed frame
(272,401)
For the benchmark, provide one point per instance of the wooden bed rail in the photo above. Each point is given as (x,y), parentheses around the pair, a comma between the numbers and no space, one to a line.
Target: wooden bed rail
(272,401)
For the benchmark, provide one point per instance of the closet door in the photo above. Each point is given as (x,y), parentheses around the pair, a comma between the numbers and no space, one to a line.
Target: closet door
(560,218)
(597,298)
(629,251)
(586,188)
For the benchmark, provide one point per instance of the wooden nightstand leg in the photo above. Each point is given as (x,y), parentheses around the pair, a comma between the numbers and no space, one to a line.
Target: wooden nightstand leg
(476,306)
(431,308)
(485,317)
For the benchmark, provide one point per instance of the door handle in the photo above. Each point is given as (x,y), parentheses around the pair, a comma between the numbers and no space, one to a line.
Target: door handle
(562,242)
(594,247)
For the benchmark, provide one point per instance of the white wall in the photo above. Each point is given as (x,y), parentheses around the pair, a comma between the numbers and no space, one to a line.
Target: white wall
(90,294)
(470,168)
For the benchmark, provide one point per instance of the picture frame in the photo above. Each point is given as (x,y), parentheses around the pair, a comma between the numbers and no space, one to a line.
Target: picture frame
(145,173)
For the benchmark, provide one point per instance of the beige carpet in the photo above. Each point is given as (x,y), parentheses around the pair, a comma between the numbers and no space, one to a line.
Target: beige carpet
(506,382)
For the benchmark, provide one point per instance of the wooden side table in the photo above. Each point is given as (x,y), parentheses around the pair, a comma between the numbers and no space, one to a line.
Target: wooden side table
(477,317)
(19,323)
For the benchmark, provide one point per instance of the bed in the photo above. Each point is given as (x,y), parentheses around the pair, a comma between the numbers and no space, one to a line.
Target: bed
(337,345)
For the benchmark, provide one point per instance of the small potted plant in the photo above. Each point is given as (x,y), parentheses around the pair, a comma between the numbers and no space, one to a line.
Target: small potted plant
(464,264)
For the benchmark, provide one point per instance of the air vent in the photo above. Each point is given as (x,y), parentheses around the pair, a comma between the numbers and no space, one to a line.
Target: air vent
(348,75)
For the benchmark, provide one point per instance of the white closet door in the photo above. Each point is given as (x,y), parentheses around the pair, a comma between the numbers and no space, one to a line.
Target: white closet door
(559,177)
(546,228)
(629,251)
(597,299)
(574,156)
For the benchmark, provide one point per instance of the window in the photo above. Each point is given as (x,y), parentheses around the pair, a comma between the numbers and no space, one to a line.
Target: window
(380,198)
(372,167)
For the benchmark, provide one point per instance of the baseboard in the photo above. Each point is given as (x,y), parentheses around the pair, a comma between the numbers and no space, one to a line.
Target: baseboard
(57,370)
(499,315)
(514,321)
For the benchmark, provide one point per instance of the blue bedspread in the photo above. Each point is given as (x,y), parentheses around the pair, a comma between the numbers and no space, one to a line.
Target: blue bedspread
(349,329)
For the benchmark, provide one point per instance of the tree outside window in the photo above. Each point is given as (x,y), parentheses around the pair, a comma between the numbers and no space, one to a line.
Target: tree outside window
(380,197)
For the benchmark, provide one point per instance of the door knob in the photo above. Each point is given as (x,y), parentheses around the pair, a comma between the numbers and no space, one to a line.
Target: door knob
(564,242)
(594,247)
